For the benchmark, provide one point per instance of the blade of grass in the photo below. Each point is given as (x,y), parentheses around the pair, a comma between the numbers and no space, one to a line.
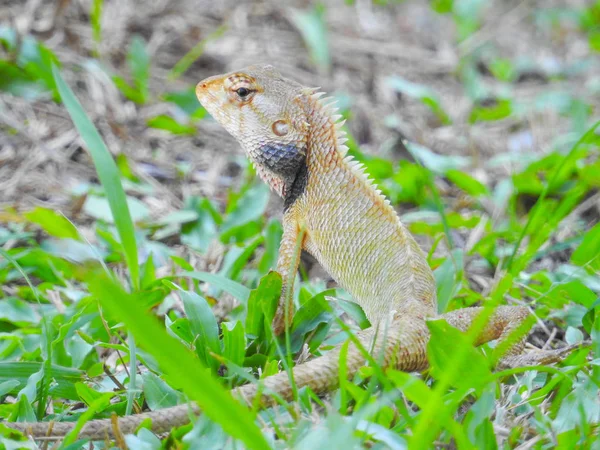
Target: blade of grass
(188,59)
(108,173)
(47,365)
(182,367)
(544,193)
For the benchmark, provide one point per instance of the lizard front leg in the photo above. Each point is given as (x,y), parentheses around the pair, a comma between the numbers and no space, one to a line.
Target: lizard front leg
(290,250)
(504,324)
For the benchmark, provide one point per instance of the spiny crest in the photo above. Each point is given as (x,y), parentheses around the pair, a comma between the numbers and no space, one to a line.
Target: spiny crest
(326,106)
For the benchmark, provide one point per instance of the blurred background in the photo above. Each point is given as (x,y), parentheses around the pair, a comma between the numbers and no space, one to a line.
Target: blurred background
(500,83)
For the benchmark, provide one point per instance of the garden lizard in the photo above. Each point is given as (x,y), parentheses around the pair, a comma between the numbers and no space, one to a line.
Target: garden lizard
(333,211)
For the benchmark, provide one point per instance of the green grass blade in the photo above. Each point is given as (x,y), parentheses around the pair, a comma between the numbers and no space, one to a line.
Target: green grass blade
(108,173)
(47,341)
(190,57)
(544,194)
(179,363)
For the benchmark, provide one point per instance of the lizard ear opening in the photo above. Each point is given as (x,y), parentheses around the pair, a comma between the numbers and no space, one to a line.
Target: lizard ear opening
(280,127)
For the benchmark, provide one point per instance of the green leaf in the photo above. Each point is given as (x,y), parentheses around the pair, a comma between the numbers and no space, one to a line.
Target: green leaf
(204,327)
(96,406)
(467,183)
(588,252)
(499,109)
(53,223)
(190,57)
(89,396)
(448,278)
(23,411)
(262,305)
(249,207)
(8,386)
(199,233)
(139,63)
(236,289)
(312,313)
(426,95)
(313,29)
(108,173)
(96,20)
(17,311)
(435,162)
(234,342)
(466,373)
(157,393)
(188,102)
(167,123)
(100,208)
(180,365)
(65,377)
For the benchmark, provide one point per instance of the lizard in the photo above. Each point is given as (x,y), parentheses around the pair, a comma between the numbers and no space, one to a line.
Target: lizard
(332,210)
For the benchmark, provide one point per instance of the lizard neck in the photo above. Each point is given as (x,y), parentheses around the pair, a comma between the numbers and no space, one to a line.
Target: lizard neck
(325,136)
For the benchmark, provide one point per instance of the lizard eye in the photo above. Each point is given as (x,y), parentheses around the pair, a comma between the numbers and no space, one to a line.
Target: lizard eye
(243,92)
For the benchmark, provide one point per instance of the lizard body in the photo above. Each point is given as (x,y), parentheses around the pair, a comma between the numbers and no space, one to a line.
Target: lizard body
(332,210)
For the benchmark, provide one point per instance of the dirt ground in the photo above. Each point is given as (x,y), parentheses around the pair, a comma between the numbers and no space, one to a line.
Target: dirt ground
(42,162)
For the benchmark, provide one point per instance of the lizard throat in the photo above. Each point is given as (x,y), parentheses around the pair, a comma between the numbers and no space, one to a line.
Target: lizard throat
(283,167)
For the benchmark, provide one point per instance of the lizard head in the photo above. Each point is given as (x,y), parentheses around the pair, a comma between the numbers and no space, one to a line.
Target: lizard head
(263,111)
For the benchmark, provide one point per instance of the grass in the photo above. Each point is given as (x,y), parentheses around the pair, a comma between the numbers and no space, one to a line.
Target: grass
(116,321)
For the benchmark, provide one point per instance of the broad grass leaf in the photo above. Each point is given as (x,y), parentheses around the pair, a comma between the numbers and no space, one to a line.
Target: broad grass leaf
(423,93)
(453,357)
(237,258)
(204,327)
(448,278)
(497,110)
(310,315)
(89,395)
(7,386)
(139,63)
(190,57)
(144,440)
(477,420)
(249,207)
(157,393)
(435,162)
(239,291)
(273,233)
(234,342)
(93,408)
(354,310)
(199,233)
(168,123)
(64,377)
(467,183)
(588,252)
(179,363)
(17,311)
(313,28)
(187,102)
(262,305)
(23,412)
(53,223)
(108,173)
(100,208)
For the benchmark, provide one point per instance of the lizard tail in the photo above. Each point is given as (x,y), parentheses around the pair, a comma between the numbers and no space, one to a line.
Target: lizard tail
(403,346)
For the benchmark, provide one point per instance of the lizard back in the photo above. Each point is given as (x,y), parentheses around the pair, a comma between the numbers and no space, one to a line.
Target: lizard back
(354,232)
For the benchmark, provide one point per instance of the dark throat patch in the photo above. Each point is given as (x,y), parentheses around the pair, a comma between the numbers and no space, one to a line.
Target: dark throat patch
(287,161)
